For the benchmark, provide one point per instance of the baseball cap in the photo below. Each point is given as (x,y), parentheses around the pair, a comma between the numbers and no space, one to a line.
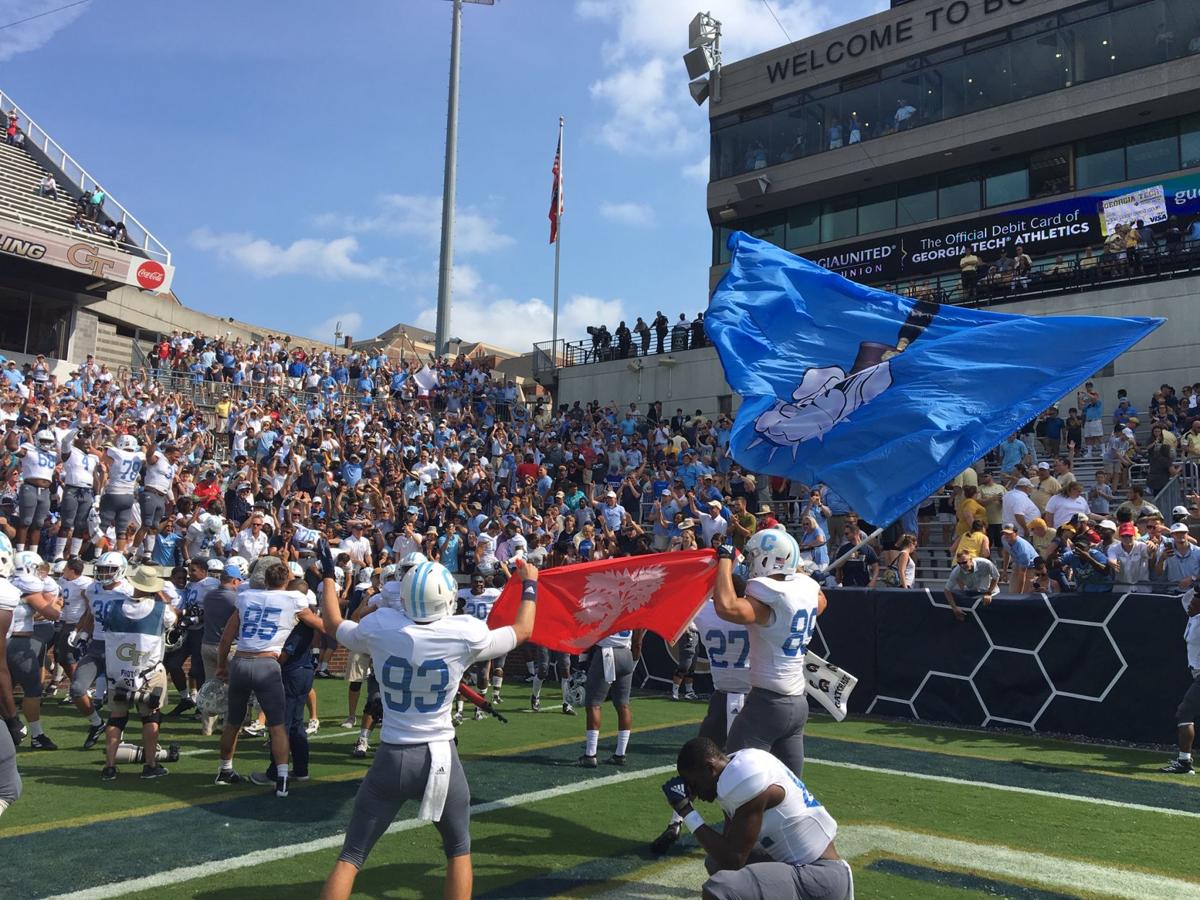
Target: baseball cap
(1180,511)
(1127,529)
(1107,523)
(1179,528)
(610,494)
(231,571)
(1044,465)
(1009,528)
(1024,482)
(716,503)
(665,493)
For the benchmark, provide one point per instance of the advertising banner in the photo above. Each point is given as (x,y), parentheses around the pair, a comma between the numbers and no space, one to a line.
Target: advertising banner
(1044,230)
(83,253)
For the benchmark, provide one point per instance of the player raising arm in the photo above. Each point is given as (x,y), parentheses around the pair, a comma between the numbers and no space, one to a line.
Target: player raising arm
(420,650)
(777,843)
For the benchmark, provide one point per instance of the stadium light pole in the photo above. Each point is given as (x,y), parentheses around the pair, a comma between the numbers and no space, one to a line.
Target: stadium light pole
(446,262)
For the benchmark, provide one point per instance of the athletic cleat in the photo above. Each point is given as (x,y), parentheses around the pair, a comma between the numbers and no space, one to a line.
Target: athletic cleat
(323,673)
(262,779)
(281,786)
(675,697)
(1179,767)
(456,719)
(615,760)
(313,726)
(181,707)
(691,695)
(586,762)
(156,771)
(108,773)
(348,722)
(253,729)
(95,732)
(568,709)
(663,842)
(535,703)
(496,698)
(360,749)
(228,776)
(49,691)
(479,715)
(42,742)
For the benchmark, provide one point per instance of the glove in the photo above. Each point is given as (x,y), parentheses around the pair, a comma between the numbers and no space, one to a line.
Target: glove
(727,551)
(16,729)
(325,555)
(676,792)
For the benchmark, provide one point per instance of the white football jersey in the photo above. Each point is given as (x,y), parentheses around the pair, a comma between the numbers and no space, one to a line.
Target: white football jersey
(23,614)
(796,831)
(74,598)
(80,469)
(194,592)
(10,599)
(619,639)
(418,667)
(124,467)
(479,606)
(777,649)
(728,648)
(38,463)
(160,473)
(267,618)
(100,599)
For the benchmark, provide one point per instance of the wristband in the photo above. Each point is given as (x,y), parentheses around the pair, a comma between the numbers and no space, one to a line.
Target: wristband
(529,590)
(693,820)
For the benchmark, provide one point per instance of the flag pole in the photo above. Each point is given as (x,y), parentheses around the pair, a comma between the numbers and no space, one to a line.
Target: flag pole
(557,244)
(833,566)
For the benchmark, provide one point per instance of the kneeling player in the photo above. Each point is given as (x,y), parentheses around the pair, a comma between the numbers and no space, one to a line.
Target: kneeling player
(777,842)
(420,652)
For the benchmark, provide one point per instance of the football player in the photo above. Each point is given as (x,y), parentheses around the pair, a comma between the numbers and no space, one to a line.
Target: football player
(11,734)
(260,624)
(30,632)
(728,649)
(543,658)
(780,609)
(39,458)
(420,651)
(477,601)
(109,587)
(81,473)
(72,587)
(610,676)
(200,581)
(686,647)
(778,840)
(123,463)
(161,466)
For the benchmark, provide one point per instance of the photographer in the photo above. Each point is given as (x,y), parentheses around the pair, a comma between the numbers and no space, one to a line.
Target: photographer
(135,631)
(1094,571)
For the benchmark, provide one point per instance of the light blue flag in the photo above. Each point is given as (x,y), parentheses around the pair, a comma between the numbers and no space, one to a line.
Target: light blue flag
(884,398)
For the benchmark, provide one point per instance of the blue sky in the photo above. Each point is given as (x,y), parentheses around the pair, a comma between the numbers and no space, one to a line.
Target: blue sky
(290,154)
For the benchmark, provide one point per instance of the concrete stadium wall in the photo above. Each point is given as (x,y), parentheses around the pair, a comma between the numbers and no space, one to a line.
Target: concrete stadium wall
(696,381)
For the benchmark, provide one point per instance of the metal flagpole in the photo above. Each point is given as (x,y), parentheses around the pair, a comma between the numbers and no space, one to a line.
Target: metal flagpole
(442,329)
(557,242)
(832,567)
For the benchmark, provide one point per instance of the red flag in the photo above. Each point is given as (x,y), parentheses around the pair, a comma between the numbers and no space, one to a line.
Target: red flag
(556,192)
(579,604)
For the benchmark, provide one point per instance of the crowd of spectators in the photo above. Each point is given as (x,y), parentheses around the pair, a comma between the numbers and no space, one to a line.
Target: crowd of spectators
(659,336)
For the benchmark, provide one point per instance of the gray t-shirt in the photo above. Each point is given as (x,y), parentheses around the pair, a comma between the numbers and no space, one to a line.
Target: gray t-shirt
(219,605)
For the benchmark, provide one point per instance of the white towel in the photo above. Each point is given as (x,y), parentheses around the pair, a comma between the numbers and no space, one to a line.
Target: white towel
(733,706)
(828,685)
(610,664)
(438,784)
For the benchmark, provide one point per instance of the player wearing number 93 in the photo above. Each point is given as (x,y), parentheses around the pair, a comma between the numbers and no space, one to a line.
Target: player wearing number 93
(780,607)
(420,650)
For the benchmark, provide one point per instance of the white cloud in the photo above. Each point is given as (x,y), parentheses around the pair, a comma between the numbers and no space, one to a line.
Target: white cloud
(420,216)
(638,215)
(36,33)
(697,171)
(312,257)
(348,323)
(650,111)
(519,324)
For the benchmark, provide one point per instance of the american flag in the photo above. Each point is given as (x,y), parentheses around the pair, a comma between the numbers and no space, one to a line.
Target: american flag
(556,192)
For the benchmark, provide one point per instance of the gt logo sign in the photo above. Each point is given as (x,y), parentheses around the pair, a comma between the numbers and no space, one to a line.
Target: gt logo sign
(83,256)
(131,654)
(151,275)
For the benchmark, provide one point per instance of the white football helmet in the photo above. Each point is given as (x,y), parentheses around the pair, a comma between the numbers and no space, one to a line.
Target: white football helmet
(45,439)
(409,562)
(27,562)
(429,592)
(295,569)
(127,442)
(58,567)
(213,698)
(6,556)
(242,563)
(215,566)
(390,572)
(110,568)
(771,551)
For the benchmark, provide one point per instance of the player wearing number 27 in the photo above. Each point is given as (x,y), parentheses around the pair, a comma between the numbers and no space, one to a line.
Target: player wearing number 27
(780,607)
(420,650)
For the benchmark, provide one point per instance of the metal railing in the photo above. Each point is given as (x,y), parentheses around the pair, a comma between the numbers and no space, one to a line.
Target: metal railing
(35,135)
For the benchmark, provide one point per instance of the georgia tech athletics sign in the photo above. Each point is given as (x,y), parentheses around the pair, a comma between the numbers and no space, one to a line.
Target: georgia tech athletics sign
(85,254)
(884,35)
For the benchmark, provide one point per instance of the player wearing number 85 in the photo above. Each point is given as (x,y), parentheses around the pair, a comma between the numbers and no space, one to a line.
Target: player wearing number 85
(420,650)
(780,607)
(260,624)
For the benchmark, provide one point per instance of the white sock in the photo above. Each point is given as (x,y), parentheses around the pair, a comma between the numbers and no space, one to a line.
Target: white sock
(1182,755)
(281,770)
(363,734)
(35,728)
(497,682)
(226,765)
(76,546)
(458,705)
(593,742)
(622,742)
(3,806)
(60,544)
(20,547)
(94,719)
(675,690)
(537,687)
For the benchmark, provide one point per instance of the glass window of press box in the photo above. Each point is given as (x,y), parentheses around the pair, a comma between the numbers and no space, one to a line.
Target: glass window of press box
(1085,43)
(1143,152)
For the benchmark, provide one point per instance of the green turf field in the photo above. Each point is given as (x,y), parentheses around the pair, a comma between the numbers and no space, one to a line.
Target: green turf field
(924,813)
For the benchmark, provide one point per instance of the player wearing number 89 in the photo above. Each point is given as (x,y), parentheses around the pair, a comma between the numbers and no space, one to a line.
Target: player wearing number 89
(260,624)
(780,607)
(420,652)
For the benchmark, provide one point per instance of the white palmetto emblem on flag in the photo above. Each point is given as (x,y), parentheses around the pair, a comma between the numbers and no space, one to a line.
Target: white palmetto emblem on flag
(609,595)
